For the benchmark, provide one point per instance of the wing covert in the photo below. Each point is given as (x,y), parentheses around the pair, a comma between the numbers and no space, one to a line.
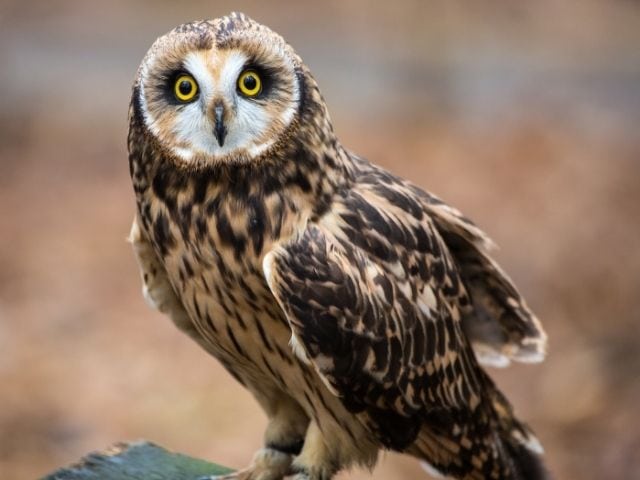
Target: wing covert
(372,344)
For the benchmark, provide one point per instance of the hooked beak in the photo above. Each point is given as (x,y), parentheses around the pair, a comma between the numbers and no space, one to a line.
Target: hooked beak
(219,130)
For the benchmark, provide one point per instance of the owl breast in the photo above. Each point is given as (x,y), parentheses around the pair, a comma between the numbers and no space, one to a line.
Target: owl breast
(215,269)
(212,251)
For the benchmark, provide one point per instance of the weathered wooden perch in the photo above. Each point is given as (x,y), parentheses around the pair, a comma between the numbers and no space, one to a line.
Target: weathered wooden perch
(137,461)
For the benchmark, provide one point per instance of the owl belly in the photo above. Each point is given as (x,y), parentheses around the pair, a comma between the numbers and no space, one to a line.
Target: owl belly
(242,326)
(251,338)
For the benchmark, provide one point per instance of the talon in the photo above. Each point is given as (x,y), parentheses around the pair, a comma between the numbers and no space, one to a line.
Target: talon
(240,475)
(226,476)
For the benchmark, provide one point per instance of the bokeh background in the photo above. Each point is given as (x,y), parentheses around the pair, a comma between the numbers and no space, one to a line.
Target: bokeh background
(525,115)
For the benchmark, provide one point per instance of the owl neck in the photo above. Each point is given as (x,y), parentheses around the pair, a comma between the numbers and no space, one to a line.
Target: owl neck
(248,207)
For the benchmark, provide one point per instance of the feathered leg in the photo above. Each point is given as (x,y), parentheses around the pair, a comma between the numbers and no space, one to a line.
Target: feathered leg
(283,438)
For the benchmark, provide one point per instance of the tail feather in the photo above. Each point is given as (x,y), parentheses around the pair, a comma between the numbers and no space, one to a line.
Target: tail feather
(506,459)
(527,464)
(523,448)
(492,444)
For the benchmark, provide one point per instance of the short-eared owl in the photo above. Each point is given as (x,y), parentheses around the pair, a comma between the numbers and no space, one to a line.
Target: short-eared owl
(356,307)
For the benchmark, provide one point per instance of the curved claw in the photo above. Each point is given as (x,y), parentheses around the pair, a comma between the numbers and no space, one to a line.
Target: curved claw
(228,476)
(268,464)
(237,475)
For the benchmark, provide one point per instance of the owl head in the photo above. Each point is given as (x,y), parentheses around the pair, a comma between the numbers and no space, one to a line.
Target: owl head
(225,90)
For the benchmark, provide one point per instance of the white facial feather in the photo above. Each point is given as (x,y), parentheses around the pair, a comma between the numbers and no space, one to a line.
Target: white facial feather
(148,118)
(246,124)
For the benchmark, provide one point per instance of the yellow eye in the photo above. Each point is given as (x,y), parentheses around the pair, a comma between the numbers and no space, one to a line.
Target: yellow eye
(185,88)
(249,83)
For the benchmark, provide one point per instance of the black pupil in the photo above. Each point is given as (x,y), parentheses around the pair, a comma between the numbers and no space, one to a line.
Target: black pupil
(185,87)
(250,82)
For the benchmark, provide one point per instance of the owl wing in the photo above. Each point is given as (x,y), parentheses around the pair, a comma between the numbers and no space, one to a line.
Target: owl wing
(497,320)
(500,325)
(386,349)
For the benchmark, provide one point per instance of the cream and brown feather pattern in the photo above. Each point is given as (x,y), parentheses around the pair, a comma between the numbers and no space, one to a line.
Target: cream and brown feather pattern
(354,306)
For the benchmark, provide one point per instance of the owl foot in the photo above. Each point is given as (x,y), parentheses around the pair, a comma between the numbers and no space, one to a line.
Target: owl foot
(267,464)
(301,473)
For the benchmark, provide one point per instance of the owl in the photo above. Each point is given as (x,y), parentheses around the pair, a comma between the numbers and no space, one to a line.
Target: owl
(357,308)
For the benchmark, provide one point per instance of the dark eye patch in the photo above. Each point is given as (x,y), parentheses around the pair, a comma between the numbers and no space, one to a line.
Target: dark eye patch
(167,80)
(268,76)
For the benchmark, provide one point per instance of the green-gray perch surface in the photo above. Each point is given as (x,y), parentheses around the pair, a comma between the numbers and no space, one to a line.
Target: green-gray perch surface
(137,461)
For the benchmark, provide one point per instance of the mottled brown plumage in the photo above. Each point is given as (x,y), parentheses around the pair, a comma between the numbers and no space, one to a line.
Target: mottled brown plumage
(353,305)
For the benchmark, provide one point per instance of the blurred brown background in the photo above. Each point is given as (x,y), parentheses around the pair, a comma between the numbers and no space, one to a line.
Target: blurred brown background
(523,114)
